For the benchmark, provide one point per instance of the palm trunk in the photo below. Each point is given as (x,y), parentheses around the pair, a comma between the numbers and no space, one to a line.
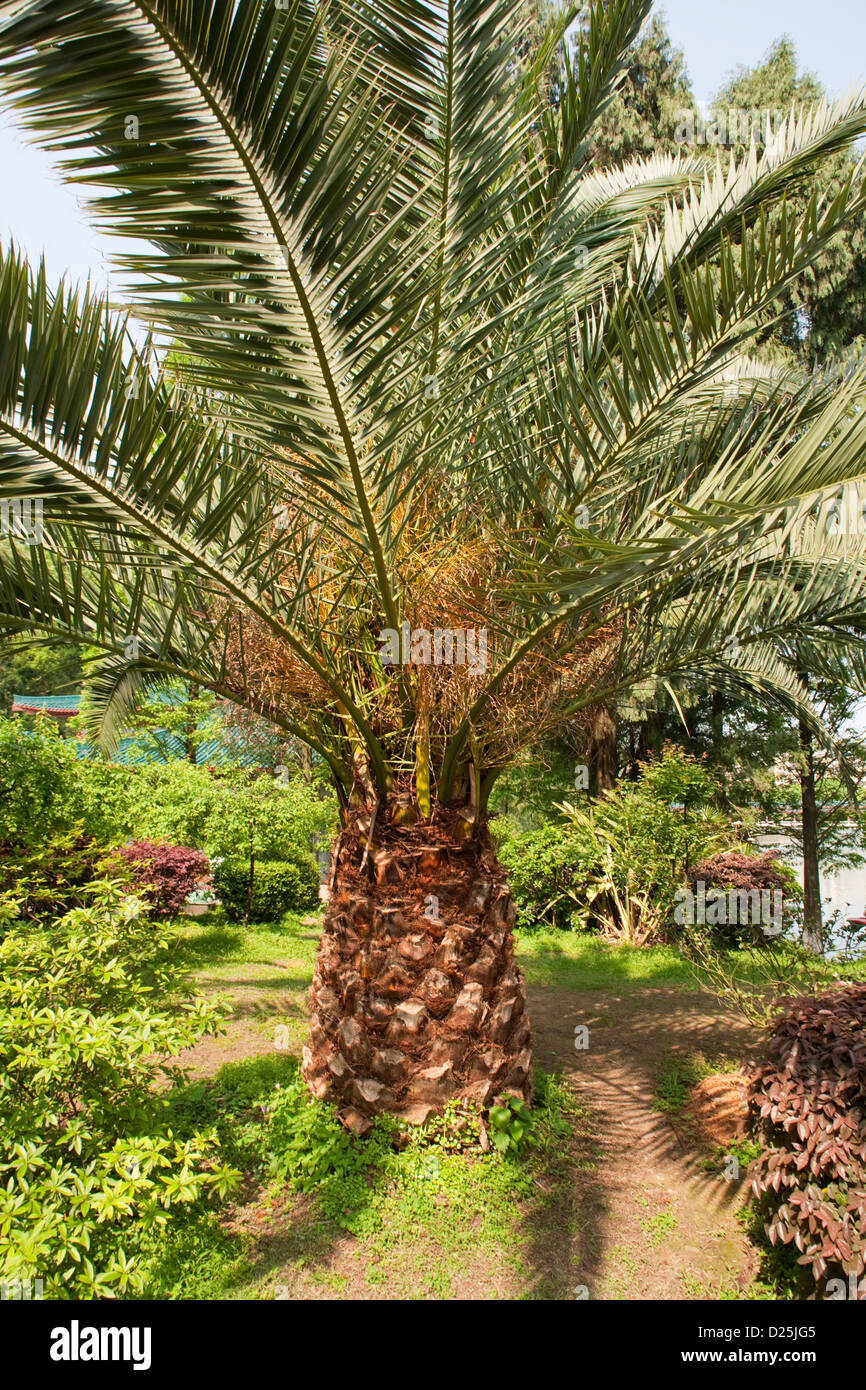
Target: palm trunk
(602,757)
(812,922)
(416,999)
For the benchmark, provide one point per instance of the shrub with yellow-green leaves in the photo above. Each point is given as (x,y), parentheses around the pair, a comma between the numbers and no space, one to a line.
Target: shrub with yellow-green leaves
(91,1012)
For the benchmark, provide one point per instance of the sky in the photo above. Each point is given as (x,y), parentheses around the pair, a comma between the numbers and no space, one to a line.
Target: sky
(830,38)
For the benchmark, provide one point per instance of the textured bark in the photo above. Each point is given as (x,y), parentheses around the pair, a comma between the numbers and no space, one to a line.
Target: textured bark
(416,998)
(601,755)
(812,914)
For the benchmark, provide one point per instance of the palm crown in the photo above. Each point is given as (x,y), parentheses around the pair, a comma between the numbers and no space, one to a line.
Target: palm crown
(429,371)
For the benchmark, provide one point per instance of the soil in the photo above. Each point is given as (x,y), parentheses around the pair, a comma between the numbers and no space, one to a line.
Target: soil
(660,1216)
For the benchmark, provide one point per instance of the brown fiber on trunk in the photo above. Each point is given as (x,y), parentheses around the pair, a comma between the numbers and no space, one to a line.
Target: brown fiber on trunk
(416,998)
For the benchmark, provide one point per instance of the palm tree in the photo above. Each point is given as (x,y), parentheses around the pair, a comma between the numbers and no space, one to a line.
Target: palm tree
(455,440)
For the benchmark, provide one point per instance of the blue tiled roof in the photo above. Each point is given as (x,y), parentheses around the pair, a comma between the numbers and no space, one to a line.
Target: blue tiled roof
(158,746)
(67,704)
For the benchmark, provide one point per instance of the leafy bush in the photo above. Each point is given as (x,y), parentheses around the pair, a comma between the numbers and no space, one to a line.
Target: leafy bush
(291,885)
(546,869)
(164,875)
(307,1144)
(264,818)
(37,783)
(641,844)
(747,873)
(614,865)
(51,879)
(807,1105)
(88,1159)
(47,788)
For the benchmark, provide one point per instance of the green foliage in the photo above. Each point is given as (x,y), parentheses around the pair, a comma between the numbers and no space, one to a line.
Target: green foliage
(642,117)
(616,863)
(509,1121)
(88,1159)
(46,669)
(641,838)
(289,885)
(37,782)
(524,795)
(305,1140)
(265,817)
(546,869)
(826,300)
(46,789)
(51,878)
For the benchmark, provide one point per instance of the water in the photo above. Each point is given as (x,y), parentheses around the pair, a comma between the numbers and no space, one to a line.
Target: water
(844,890)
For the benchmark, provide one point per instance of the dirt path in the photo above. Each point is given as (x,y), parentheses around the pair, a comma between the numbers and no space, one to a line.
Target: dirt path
(653,1222)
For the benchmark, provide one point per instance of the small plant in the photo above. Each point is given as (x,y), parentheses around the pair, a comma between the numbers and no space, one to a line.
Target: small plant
(753,979)
(659,1226)
(52,878)
(306,1142)
(460,1127)
(262,891)
(89,1160)
(509,1123)
(164,875)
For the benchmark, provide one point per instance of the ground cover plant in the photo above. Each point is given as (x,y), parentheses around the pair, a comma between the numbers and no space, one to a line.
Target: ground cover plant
(807,1102)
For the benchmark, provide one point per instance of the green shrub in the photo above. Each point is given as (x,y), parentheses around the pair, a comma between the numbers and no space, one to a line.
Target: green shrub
(47,789)
(289,885)
(88,1158)
(38,789)
(546,869)
(50,879)
(616,864)
(640,839)
(305,1140)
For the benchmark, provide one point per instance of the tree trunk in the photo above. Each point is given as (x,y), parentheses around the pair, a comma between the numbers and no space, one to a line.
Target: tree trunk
(812,919)
(602,751)
(416,999)
(717,724)
(190,731)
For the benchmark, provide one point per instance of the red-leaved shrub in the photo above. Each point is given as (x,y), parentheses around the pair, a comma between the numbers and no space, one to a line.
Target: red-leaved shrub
(807,1105)
(749,873)
(730,869)
(163,874)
